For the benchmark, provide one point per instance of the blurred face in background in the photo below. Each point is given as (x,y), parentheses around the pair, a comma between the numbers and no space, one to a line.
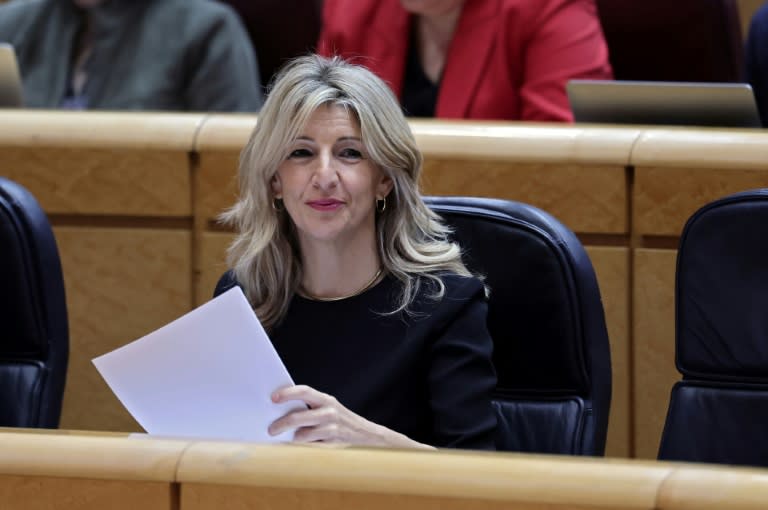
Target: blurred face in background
(431,7)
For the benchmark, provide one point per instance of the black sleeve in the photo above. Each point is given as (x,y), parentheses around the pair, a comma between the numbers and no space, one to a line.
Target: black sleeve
(461,374)
(226,282)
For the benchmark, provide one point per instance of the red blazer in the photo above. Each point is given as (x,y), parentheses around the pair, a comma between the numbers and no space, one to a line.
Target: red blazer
(509,59)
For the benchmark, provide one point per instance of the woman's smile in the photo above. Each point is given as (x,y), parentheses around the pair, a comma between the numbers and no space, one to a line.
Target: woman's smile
(325,204)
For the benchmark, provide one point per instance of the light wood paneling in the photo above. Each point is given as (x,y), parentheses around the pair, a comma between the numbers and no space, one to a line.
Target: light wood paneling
(700,488)
(121,284)
(102,181)
(44,492)
(653,345)
(217,184)
(409,478)
(109,130)
(212,261)
(203,497)
(665,197)
(612,268)
(68,471)
(89,455)
(587,199)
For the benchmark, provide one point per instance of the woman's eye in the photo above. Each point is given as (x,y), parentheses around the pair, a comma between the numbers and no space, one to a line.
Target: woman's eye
(350,153)
(300,153)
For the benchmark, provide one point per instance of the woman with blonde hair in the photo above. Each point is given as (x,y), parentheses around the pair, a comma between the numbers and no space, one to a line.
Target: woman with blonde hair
(365,299)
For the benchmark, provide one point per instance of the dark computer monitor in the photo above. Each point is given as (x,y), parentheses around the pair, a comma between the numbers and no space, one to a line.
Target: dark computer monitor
(10,81)
(668,103)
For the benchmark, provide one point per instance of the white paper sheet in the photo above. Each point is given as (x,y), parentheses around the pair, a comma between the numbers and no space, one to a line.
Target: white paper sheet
(208,374)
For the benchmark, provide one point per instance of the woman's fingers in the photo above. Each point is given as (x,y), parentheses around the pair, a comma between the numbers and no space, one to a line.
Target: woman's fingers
(310,396)
(303,419)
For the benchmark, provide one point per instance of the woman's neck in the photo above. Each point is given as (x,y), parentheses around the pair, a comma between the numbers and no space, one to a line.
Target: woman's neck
(333,272)
(433,36)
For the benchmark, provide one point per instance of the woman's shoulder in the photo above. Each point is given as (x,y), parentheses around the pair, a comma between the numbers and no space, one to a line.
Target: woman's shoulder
(457,291)
(226,282)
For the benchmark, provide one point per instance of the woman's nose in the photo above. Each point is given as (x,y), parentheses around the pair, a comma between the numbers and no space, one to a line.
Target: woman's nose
(325,176)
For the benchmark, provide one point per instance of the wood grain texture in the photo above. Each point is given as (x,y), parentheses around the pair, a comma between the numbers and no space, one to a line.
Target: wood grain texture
(445,474)
(93,456)
(99,129)
(35,493)
(588,199)
(612,268)
(699,488)
(217,187)
(717,149)
(102,181)
(121,284)
(665,197)
(212,262)
(653,345)
(522,142)
(203,497)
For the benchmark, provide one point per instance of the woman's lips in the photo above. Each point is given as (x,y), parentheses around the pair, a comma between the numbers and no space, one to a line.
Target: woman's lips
(327,204)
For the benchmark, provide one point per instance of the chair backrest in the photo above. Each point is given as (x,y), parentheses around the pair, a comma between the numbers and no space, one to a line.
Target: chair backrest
(279,29)
(34,342)
(546,318)
(681,40)
(719,411)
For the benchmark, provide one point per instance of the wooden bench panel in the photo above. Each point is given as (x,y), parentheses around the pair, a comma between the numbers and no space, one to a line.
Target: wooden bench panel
(612,268)
(653,345)
(121,283)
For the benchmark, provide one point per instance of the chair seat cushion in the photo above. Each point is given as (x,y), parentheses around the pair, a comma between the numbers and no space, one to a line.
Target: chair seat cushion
(20,383)
(722,423)
(541,426)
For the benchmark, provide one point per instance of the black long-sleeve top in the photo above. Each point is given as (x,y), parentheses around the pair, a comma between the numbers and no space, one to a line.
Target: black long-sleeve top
(427,374)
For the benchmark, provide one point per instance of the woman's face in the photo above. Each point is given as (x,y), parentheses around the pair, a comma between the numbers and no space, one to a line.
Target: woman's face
(431,7)
(327,183)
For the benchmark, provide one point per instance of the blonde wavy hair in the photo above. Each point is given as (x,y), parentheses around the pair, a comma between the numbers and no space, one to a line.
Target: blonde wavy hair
(412,241)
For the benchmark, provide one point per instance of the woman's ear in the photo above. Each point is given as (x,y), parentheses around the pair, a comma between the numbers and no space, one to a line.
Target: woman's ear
(277,186)
(384,186)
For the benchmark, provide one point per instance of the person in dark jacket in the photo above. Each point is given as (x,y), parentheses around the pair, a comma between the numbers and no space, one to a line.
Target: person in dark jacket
(188,55)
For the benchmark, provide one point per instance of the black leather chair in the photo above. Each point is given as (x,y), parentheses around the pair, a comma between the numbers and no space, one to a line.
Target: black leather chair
(546,318)
(719,411)
(34,342)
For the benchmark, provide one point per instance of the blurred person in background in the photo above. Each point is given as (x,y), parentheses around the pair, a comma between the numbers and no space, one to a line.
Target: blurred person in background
(478,59)
(757,60)
(191,55)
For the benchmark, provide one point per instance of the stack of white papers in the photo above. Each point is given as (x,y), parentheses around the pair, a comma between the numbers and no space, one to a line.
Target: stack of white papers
(208,374)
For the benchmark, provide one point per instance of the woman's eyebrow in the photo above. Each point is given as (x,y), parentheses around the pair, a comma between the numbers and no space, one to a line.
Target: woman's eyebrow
(347,138)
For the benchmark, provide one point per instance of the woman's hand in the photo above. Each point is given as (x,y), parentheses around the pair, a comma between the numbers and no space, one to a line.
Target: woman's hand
(328,421)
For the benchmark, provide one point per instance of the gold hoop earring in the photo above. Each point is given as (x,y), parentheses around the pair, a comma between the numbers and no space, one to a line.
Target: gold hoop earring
(277,204)
(381,205)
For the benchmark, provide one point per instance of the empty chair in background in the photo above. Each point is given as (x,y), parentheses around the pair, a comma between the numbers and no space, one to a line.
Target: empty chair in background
(190,55)
(719,411)
(34,343)
(684,40)
(545,316)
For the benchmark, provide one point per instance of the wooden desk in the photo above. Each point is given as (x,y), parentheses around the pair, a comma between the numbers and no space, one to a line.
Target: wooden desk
(81,471)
